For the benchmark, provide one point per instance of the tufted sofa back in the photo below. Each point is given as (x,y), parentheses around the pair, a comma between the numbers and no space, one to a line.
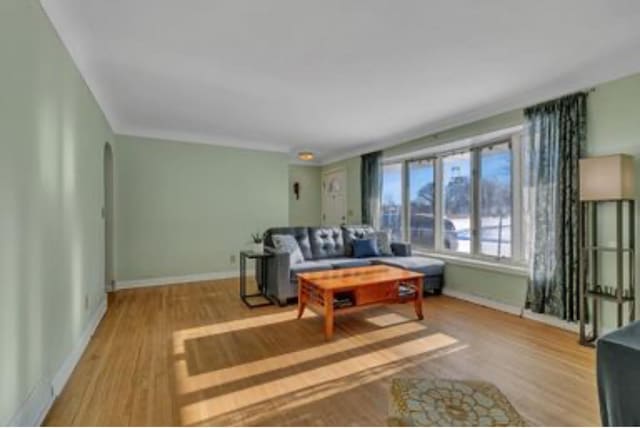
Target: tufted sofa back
(326,242)
(300,233)
(322,242)
(352,232)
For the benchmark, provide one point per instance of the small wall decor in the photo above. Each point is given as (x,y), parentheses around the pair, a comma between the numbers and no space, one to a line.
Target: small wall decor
(296,190)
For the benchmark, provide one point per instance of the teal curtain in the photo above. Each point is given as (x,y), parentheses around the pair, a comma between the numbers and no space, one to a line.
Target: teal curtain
(555,134)
(371,187)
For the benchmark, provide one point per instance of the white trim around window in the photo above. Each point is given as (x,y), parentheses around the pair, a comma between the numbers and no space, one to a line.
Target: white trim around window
(473,262)
(515,263)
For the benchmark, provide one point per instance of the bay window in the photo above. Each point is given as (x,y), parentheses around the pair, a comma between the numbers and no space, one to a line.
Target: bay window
(460,198)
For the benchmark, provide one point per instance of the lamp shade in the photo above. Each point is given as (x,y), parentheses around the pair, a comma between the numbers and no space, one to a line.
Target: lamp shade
(607,178)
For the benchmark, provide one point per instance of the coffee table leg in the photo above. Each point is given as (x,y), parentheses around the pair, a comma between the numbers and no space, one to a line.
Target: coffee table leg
(328,314)
(418,301)
(302,299)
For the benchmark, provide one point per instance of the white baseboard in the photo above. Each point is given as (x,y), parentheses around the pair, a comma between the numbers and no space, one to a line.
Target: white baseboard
(153,282)
(551,320)
(37,405)
(514,310)
(483,301)
(64,372)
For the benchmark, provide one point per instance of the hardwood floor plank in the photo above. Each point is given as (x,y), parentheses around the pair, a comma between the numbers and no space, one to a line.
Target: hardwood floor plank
(193,354)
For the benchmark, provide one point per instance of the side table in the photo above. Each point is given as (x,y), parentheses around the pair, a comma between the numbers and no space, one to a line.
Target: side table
(260,258)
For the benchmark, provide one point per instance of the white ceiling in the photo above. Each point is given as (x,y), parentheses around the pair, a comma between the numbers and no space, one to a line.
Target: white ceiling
(338,77)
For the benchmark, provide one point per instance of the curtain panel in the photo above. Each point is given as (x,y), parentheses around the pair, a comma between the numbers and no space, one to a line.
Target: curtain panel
(555,134)
(371,187)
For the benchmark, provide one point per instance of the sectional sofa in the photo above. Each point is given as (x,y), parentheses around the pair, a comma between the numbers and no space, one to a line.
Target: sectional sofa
(326,248)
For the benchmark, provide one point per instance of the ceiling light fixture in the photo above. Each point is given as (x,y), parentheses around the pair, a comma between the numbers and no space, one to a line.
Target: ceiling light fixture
(306,156)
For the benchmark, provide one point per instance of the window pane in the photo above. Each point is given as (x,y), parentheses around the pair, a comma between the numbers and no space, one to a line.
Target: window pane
(391,207)
(456,197)
(495,200)
(422,198)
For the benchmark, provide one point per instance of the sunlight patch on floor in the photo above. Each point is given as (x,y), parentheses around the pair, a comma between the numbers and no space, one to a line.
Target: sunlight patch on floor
(187,384)
(389,319)
(180,336)
(363,377)
(286,386)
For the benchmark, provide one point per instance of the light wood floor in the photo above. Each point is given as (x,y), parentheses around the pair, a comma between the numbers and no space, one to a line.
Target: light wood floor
(195,355)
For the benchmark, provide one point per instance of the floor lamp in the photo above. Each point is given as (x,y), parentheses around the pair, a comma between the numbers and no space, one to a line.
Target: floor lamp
(606,180)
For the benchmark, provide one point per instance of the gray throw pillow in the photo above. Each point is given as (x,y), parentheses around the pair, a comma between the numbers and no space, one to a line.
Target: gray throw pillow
(384,242)
(288,244)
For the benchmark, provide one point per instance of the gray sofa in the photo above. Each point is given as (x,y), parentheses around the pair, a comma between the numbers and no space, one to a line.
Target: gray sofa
(327,248)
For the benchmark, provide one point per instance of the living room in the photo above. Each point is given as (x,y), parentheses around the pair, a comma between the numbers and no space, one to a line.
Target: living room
(413,211)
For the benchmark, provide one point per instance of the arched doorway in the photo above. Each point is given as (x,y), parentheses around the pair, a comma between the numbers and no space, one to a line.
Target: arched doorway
(107,215)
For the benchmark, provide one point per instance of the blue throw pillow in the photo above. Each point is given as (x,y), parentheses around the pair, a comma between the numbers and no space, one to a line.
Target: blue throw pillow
(365,248)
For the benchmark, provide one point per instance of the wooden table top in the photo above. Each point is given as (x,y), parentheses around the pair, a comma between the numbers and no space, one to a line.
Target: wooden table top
(359,276)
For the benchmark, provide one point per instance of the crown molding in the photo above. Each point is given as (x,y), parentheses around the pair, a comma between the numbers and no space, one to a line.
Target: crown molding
(295,161)
(219,141)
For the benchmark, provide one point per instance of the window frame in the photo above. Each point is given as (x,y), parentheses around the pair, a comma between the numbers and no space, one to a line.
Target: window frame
(407,198)
(440,247)
(403,183)
(474,147)
(515,212)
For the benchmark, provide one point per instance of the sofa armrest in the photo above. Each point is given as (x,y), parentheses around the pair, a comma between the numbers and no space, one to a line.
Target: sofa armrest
(278,275)
(401,249)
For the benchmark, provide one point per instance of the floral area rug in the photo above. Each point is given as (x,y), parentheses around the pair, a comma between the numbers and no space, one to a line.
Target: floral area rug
(440,402)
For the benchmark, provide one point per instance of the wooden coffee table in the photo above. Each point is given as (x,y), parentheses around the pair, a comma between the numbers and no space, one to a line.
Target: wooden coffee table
(366,286)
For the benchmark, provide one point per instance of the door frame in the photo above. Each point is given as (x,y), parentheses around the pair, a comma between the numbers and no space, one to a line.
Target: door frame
(323,206)
(107,217)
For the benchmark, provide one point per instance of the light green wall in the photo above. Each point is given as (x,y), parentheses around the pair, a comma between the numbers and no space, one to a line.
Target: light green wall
(187,208)
(306,210)
(502,287)
(52,134)
(613,127)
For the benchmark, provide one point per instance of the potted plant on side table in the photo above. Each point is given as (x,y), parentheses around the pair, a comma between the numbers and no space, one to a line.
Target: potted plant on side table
(258,245)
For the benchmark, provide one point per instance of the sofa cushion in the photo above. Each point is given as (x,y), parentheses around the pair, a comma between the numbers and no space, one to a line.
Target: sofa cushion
(308,266)
(383,239)
(365,248)
(425,265)
(300,233)
(347,262)
(288,244)
(351,232)
(326,242)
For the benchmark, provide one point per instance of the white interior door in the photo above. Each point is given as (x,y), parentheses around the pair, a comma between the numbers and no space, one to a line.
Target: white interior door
(334,198)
